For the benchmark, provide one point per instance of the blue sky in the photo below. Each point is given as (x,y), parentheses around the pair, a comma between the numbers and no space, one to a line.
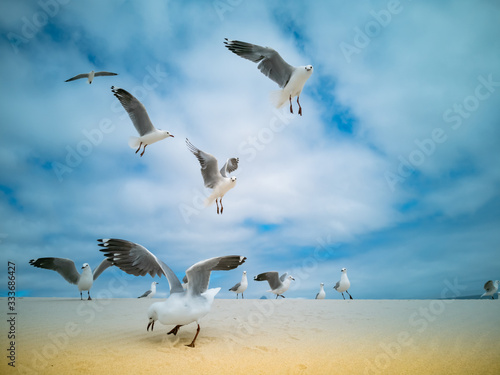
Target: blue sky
(391,172)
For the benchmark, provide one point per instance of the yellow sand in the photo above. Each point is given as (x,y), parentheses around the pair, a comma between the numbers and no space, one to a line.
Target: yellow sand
(66,336)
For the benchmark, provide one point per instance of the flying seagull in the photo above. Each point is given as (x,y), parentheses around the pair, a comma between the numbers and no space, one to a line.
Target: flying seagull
(214,179)
(66,268)
(90,76)
(148,134)
(151,292)
(343,284)
(321,294)
(291,79)
(241,286)
(182,306)
(279,285)
(491,288)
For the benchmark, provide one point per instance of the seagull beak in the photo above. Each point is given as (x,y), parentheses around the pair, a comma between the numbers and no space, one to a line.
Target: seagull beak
(171,135)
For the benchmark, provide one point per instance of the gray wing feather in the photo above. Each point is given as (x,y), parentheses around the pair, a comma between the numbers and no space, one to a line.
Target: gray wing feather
(136,260)
(65,267)
(198,275)
(489,285)
(336,285)
(271,63)
(284,276)
(235,288)
(317,296)
(101,267)
(102,74)
(145,294)
(230,166)
(136,111)
(209,166)
(83,75)
(271,277)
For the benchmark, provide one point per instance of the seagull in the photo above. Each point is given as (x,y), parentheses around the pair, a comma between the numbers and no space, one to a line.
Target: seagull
(241,286)
(151,292)
(291,79)
(279,285)
(321,294)
(182,306)
(343,284)
(147,132)
(214,179)
(66,268)
(491,288)
(90,76)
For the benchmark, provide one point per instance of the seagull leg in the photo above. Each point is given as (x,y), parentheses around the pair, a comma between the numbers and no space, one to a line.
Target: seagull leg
(290,99)
(152,324)
(242,296)
(300,108)
(81,297)
(195,336)
(90,299)
(140,145)
(221,208)
(349,294)
(143,150)
(217,206)
(175,330)
(343,295)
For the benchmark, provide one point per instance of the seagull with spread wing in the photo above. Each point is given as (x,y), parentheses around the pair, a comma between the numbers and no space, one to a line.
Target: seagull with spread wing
(279,284)
(291,79)
(183,306)
(90,76)
(214,179)
(67,269)
(148,134)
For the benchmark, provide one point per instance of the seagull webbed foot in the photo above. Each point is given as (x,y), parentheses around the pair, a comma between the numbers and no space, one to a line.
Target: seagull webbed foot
(174,330)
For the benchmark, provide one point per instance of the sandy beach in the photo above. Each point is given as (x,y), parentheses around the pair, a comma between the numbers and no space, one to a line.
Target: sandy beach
(69,336)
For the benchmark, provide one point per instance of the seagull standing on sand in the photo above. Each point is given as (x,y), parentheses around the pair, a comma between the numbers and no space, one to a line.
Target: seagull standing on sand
(182,306)
(214,179)
(291,79)
(491,288)
(90,76)
(67,269)
(343,284)
(279,285)
(241,286)
(321,294)
(151,292)
(148,134)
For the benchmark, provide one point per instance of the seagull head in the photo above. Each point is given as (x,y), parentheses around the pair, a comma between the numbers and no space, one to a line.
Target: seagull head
(291,278)
(322,284)
(233,180)
(85,265)
(165,133)
(309,68)
(343,270)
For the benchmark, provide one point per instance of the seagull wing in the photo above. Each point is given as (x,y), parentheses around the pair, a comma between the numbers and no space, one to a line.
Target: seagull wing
(145,294)
(102,74)
(136,260)
(235,288)
(284,276)
(230,166)
(65,267)
(272,278)
(337,285)
(488,286)
(209,166)
(101,267)
(271,63)
(135,109)
(198,275)
(83,75)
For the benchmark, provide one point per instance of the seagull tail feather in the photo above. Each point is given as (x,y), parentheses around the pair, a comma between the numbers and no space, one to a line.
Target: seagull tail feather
(134,142)
(278,98)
